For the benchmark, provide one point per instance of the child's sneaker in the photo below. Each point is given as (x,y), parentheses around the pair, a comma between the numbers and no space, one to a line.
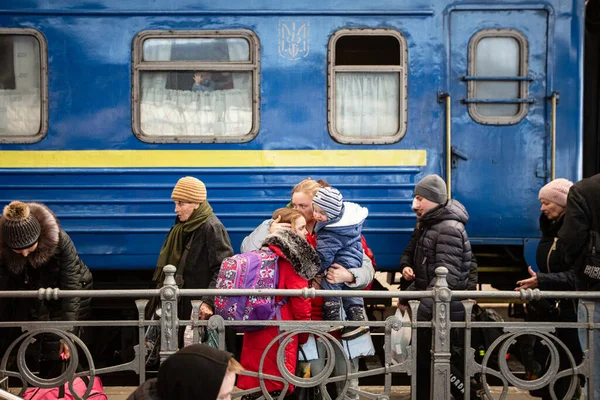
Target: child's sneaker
(355,313)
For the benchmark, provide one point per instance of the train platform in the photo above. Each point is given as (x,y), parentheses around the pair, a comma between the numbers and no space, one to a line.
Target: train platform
(398,392)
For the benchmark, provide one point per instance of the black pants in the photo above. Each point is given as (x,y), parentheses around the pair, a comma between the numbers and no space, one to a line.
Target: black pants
(542,356)
(457,367)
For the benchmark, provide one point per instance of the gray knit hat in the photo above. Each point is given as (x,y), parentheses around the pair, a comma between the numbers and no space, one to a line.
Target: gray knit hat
(20,229)
(432,188)
(330,200)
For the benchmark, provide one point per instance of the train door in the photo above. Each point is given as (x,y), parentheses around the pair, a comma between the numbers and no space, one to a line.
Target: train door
(499,119)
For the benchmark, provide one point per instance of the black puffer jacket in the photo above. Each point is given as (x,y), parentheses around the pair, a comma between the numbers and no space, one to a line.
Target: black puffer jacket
(554,272)
(441,241)
(55,264)
(582,216)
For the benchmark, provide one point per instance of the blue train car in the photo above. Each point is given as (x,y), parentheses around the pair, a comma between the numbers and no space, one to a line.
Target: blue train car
(105,104)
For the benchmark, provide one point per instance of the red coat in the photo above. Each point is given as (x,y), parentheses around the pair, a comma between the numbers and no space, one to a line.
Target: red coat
(255,343)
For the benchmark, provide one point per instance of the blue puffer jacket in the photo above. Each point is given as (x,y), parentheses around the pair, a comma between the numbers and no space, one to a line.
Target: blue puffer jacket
(338,240)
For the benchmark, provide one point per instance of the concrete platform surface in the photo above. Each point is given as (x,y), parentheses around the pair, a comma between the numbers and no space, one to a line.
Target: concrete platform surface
(398,392)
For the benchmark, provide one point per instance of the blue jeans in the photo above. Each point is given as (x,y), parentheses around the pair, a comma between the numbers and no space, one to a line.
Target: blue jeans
(582,317)
(347,302)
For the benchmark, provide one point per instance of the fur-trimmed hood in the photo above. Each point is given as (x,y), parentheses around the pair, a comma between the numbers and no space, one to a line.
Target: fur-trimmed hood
(297,251)
(47,243)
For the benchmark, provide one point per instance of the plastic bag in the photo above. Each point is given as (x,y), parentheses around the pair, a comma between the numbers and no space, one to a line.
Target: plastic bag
(400,339)
(152,340)
(303,371)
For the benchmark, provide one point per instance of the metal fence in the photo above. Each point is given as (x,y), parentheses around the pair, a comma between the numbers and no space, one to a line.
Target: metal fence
(440,350)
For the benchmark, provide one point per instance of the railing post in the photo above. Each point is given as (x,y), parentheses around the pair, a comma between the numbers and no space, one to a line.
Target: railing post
(440,361)
(169,333)
(141,353)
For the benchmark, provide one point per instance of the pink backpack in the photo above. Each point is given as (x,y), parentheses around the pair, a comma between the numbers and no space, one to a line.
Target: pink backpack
(63,392)
(252,270)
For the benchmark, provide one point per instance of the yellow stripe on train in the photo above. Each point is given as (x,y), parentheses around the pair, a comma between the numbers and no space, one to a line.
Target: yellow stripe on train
(210,158)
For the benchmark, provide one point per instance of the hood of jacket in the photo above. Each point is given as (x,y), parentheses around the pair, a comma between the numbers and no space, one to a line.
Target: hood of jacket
(297,251)
(451,211)
(47,243)
(353,216)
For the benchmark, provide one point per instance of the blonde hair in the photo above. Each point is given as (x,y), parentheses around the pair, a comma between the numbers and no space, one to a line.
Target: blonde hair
(288,215)
(234,366)
(308,186)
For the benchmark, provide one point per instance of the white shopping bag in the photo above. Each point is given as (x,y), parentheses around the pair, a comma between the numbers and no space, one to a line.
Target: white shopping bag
(401,338)
(310,349)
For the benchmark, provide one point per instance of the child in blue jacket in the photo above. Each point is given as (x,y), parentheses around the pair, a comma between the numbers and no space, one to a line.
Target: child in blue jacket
(338,232)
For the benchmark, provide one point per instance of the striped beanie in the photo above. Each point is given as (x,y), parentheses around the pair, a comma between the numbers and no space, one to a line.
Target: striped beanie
(329,200)
(556,191)
(190,190)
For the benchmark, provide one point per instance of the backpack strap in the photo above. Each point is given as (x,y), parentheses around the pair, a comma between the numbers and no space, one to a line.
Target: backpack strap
(284,300)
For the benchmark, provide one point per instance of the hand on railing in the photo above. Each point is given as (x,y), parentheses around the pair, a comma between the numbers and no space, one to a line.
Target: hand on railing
(529,283)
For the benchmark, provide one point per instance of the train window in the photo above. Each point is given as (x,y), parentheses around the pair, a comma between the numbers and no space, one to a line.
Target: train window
(498,81)
(367,86)
(23,86)
(196,86)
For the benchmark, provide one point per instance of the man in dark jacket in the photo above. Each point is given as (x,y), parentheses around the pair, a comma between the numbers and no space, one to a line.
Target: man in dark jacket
(36,253)
(196,245)
(581,225)
(439,240)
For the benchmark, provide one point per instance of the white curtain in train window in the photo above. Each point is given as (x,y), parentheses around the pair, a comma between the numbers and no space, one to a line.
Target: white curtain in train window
(20,105)
(367,104)
(183,112)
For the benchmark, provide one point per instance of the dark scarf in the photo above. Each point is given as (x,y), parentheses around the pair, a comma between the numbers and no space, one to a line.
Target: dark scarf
(172,248)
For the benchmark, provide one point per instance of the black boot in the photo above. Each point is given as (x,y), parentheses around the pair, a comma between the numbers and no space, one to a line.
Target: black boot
(355,313)
(331,312)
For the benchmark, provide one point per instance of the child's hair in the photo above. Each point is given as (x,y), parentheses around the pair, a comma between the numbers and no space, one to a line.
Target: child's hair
(308,186)
(234,366)
(323,183)
(288,215)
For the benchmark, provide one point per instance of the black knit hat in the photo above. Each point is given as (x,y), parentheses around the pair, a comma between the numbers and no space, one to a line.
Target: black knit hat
(20,229)
(194,372)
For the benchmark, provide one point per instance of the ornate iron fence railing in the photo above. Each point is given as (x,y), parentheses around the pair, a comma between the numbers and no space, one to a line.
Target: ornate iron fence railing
(14,365)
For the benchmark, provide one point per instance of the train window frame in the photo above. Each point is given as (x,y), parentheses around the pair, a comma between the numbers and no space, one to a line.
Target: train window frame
(401,69)
(43,47)
(523,108)
(253,65)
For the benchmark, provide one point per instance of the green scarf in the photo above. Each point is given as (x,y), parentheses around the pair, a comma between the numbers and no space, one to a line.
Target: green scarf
(172,248)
